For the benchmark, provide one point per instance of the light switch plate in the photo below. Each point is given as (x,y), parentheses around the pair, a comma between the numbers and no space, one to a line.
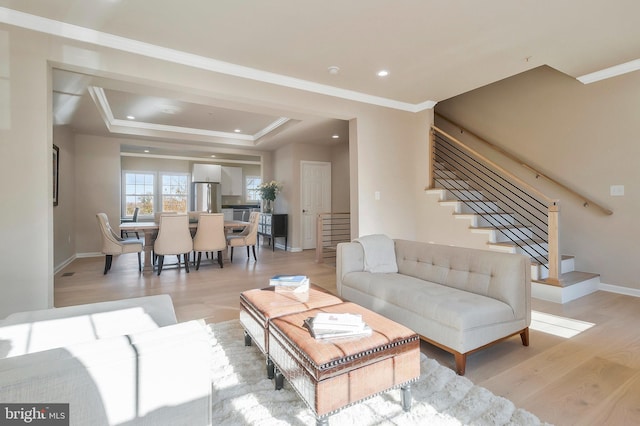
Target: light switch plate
(616,190)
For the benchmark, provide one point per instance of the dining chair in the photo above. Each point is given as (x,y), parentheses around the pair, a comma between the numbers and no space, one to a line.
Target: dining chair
(112,244)
(210,236)
(134,218)
(174,238)
(248,237)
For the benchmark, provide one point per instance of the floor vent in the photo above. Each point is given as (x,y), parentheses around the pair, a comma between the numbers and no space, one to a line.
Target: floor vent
(68,274)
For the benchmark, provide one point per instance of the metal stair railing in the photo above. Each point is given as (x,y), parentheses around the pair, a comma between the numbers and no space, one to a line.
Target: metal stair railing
(331,229)
(535,216)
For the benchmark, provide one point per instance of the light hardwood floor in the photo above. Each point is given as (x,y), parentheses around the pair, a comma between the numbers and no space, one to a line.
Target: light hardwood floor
(592,378)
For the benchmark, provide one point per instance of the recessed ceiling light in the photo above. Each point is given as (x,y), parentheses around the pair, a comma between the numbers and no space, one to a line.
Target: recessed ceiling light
(237,130)
(146,150)
(213,156)
(383,73)
(336,136)
(131,117)
(333,70)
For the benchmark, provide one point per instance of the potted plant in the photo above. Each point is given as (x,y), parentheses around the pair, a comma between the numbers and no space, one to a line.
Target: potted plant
(268,192)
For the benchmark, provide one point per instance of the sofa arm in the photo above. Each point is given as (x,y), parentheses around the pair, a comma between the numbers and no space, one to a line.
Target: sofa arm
(349,258)
(159,377)
(34,331)
(158,307)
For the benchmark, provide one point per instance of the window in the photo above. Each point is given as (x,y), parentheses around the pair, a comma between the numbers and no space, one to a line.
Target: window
(154,192)
(175,191)
(139,192)
(251,186)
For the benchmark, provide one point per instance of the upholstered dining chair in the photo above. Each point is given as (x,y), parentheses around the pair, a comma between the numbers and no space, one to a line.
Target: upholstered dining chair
(210,236)
(112,244)
(134,218)
(248,237)
(174,238)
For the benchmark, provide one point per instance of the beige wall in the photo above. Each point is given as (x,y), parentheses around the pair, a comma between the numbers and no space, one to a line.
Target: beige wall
(97,189)
(584,136)
(388,141)
(64,214)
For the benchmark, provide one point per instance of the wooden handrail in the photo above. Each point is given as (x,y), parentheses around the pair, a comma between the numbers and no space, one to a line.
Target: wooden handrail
(532,189)
(586,202)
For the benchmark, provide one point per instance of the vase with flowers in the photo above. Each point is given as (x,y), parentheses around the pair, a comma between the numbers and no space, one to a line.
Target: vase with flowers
(268,192)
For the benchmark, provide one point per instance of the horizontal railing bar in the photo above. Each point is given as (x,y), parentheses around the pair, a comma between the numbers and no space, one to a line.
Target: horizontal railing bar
(503,170)
(586,201)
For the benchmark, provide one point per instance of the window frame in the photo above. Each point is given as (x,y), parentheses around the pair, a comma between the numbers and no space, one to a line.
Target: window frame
(157,190)
(252,190)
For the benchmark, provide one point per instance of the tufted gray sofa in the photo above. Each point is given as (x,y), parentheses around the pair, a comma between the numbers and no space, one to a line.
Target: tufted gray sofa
(458,299)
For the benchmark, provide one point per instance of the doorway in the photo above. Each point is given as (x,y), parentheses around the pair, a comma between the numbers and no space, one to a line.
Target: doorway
(315,197)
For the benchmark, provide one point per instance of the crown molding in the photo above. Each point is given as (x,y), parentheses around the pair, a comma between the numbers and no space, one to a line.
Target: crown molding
(87,35)
(116,125)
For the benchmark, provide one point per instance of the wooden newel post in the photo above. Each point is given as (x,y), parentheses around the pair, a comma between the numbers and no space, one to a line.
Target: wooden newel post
(555,258)
(319,242)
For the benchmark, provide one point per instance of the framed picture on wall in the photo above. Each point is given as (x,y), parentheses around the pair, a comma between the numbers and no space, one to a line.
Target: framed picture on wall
(56,164)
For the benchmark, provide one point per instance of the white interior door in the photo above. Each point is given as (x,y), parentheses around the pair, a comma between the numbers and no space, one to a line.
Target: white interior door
(315,196)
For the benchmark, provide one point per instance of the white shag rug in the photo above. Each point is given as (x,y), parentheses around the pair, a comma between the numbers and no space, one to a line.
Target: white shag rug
(242,394)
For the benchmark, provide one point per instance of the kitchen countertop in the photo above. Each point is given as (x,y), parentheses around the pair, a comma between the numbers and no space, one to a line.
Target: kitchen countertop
(240,206)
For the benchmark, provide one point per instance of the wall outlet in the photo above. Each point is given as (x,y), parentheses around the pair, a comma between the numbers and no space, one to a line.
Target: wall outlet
(376,195)
(616,190)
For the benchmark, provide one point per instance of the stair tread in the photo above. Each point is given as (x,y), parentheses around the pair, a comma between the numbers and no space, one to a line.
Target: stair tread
(511,243)
(484,213)
(543,261)
(489,228)
(570,278)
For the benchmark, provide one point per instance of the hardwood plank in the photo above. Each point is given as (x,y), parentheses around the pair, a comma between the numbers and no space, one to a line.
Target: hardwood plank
(590,378)
(580,392)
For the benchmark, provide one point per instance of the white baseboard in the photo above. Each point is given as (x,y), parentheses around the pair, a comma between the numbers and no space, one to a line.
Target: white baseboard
(564,294)
(90,254)
(64,264)
(619,289)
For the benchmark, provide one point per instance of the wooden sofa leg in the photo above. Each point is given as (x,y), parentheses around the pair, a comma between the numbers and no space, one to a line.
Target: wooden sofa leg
(525,336)
(461,363)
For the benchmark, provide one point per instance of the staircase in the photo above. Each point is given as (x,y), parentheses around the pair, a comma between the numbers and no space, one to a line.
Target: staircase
(510,232)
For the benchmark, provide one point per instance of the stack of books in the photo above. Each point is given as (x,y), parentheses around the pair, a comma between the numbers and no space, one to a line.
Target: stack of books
(295,283)
(327,325)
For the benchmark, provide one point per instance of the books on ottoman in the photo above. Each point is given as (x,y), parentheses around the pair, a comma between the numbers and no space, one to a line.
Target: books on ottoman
(297,283)
(333,325)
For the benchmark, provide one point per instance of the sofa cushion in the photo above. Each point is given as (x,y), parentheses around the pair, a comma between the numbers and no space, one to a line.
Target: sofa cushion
(449,306)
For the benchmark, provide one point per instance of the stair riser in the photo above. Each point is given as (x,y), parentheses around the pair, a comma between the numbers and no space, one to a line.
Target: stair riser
(479,207)
(445,174)
(539,272)
(463,195)
(496,220)
(451,183)
(506,235)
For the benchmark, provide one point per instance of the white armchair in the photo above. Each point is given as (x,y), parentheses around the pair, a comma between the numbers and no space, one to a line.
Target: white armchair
(114,363)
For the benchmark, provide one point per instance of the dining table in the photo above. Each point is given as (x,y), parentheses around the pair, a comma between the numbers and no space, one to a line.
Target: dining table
(150,231)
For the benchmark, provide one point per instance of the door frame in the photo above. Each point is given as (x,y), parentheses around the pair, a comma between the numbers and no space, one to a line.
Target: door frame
(326,193)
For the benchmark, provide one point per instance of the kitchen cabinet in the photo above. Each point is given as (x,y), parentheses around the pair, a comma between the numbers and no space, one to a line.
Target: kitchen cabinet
(273,226)
(206,173)
(231,182)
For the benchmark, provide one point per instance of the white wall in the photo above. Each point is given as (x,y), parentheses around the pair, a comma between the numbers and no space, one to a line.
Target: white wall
(384,147)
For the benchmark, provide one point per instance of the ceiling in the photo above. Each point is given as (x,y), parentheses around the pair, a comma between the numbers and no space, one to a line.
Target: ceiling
(432,49)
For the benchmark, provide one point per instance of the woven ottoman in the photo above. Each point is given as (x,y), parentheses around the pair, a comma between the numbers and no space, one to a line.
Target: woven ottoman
(332,374)
(258,307)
